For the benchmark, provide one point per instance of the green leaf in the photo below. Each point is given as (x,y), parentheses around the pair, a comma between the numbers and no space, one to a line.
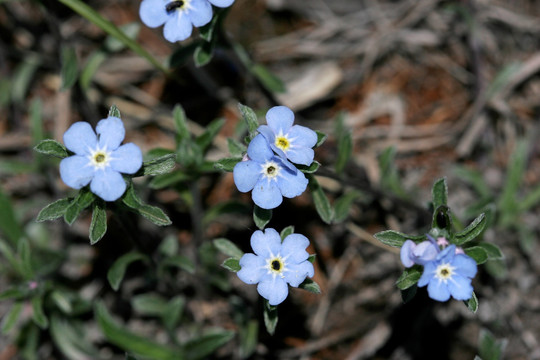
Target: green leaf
(236,148)
(409,277)
(226,164)
(158,166)
(92,65)
(311,258)
(125,339)
(493,251)
(408,293)
(477,253)
(315,165)
(54,210)
(396,238)
(22,78)
(152,213)
(472,231)
(170,179)
(286,232)
(232,264)
(345,148)
(62,300)
(69,67)
(250,118)
(114,111)
(70,338)
(249,336)
(169,246)
(205,139)
(181,124)
(9,225)
(321,138)
(94,17)
(261,216)
(209,31)
(343,204)
(439,193)
(173,312)
(270,81)
(130,29)
(203,53)
(52,148)
(181,262)
(182,54)
(116,272)
(311,286)
(23,250)
(228,248)
(443,221)
(322,204)
(37,313)
(472,303)
(149,304)
(201,347)
(98,225)
(489,347)
(10,319)
(12,293)
(270,315)
(83,200)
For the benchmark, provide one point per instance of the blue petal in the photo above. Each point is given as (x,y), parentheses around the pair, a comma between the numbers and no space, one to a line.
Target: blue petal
(465,265)
(80,138)
(266,244)
(266,194)
(303,156)
(177,27)
(294,248)
(425,252)
(108,184)
(292,185)
(111,133)
(221,3)
(295,274)
(274,290)
(246,174)
(76,171)
(460,287)
(302,136)
(406,252)
(126,159)
(267,133)
(259,149)
(153,13)
(427,275)
(252,268)
(280,119)
(437,290)
(447,255)
(200,12)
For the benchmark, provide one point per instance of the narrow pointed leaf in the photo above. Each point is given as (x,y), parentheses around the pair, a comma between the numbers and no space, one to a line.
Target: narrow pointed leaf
(116,272)
(228,248)
(472,231)
(98,225)
(54,210)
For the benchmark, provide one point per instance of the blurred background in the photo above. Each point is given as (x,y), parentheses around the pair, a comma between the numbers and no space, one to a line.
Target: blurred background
(426,89)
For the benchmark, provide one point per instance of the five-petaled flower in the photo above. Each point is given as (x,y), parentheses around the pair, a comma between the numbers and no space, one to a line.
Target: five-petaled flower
(269,176)
(450,274)
(275,264)
(179,16)
(291,142)
(99,160)
(412,253)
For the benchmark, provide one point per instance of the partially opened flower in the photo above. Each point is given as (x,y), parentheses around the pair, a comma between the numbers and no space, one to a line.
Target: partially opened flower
(270,177)
(412,253)
(450,274)
(293,142)
(99,160)
(276,264)
(179,16)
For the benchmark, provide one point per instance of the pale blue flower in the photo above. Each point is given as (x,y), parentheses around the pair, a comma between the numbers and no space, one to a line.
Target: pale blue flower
(269,176)
(412,253)
(99,160)
(450,274)
(276,264)
(292,142)
(179,16)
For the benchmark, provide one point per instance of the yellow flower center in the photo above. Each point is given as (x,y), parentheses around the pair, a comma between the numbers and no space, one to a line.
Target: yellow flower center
(270,169)
(100,158)
(444,272)
(276,265)
(176,4)
(282,142)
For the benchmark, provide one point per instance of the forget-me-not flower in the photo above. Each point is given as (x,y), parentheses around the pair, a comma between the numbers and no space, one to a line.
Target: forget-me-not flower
(269,176)
(450,274)
(99,160)
(179,16)
(412,253)
(293,142)
(275,264)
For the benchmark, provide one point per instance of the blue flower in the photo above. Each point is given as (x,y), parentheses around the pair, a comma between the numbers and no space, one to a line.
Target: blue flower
(412,253)
(275,264)
(270,177)
(450,274)
(179,16)
(98,161)
(291,142)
